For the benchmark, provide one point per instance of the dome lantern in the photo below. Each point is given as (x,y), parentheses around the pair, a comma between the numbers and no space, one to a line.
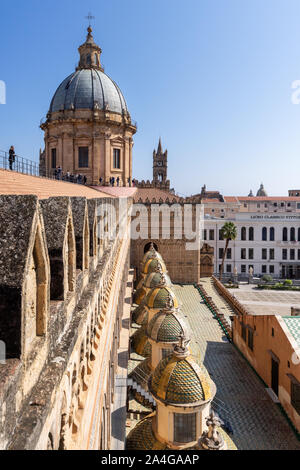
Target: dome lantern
(90,54)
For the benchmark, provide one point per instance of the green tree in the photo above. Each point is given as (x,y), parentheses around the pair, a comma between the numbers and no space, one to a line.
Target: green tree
(228,232)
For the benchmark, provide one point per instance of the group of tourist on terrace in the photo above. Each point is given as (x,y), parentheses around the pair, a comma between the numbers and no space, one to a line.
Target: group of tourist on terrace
(58,172)
(60,175)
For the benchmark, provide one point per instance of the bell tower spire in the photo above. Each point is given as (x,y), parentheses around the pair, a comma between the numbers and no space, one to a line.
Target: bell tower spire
(160,166)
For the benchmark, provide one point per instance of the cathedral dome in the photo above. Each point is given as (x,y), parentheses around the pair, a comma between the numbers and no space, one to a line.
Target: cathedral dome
(261,192)
(88,89)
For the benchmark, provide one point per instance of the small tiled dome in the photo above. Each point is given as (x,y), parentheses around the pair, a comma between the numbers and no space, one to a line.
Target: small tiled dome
(160,297)
(140,342)
(152,265)
(167,327)
(140,314)
(180,380)
(155,279)
(151,254)
(139,295)
(141,437)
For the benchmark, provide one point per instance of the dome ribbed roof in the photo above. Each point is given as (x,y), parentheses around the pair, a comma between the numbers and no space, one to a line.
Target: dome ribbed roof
(156,278)
(180,381)
(139,314)
(166,327)
(160,297)
(152,265)
(87,89)
(139,295)
(151,254)
(140,342)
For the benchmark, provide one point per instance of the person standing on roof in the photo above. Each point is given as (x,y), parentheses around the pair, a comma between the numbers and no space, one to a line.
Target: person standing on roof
(12,157)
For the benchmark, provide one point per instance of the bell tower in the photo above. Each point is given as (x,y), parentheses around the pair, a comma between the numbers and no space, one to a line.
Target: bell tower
(160,166)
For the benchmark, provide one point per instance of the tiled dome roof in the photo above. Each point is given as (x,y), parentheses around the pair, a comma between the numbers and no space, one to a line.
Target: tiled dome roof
(180,381)
(152,265)
(154,279)
(151,254)
(140,342)
(139,295)
(159,297)
(166,327)
(140,314)
(141,437)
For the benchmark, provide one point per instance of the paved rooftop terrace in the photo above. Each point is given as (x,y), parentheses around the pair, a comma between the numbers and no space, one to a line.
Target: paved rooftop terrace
(266,302)
(256,421)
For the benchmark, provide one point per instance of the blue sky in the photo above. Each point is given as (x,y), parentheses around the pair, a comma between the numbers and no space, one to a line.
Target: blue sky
(212,77)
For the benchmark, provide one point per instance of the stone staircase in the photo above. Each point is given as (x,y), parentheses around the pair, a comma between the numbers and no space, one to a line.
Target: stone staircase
(144,393)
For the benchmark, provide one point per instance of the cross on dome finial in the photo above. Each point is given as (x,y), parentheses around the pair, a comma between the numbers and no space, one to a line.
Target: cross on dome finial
(90,17)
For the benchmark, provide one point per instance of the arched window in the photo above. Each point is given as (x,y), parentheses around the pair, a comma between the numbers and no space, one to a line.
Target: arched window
(293,234)
(272,234)
(88,59)
(264,234)
(299,234)
(148,245)
(284,234)
(251,233)
(243,233)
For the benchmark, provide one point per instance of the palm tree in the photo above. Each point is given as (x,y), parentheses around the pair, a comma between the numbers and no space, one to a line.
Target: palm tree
(228,232)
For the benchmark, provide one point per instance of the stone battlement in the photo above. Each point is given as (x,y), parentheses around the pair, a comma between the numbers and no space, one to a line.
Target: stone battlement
(62,288)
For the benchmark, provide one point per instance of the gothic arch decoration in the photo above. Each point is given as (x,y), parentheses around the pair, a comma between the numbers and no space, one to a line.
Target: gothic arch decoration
(22,321)
(92,219)
(82,232)
(61,245)
(42,282)
(206,260)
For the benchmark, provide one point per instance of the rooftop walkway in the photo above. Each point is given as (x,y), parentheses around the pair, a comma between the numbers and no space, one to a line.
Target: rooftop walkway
(256,421)
(241,400)
(220,302)
(12,182)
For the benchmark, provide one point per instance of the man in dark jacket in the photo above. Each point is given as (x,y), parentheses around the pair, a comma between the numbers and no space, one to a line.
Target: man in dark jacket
(11,157)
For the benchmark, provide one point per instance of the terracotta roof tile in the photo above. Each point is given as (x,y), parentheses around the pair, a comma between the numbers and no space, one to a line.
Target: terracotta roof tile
(154,193)
(117,191)
(12,182)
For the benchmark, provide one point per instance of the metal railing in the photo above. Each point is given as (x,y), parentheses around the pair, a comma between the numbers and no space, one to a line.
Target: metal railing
(19,164)
(29,167)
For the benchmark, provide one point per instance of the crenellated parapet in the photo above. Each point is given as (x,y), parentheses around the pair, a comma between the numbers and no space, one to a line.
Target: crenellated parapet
(62,290)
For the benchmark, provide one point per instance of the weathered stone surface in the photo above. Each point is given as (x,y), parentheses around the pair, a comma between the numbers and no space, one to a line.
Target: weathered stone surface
(16,218)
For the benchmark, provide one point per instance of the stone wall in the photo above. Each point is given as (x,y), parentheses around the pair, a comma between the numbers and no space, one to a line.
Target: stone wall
(182,259)
(57,385)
